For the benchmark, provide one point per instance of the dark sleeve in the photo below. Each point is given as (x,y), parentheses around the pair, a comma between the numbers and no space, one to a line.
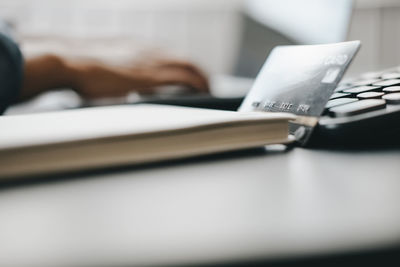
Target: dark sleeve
(11,69)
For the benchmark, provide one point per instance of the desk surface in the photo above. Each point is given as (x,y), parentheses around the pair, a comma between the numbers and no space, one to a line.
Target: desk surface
(241,206)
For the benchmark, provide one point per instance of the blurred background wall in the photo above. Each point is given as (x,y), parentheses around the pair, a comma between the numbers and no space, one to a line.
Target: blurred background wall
(208,32)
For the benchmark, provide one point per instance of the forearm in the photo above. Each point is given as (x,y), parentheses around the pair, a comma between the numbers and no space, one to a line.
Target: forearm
(93,79)
(45,73)
(90,79)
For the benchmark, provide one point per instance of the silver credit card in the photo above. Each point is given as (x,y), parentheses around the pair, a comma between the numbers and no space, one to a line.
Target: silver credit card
(300,80)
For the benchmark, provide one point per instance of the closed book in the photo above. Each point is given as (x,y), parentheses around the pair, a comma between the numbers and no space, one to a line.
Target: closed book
(102,137)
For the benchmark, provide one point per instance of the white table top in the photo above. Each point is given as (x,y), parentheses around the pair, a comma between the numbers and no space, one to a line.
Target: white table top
(258,205)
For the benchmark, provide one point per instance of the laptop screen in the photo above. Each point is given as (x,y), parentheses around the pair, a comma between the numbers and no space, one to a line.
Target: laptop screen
(306,21)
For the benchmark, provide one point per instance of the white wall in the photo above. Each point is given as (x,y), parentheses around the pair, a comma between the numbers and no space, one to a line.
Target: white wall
(377,25)
(206,31)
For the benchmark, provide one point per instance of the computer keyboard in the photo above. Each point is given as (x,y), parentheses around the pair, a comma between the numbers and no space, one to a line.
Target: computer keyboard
(372,91)
(364,111)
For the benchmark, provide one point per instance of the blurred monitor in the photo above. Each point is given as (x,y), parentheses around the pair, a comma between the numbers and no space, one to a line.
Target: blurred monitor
(268,23)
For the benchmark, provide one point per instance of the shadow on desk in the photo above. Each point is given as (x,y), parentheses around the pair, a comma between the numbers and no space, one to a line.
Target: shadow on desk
(271,150)
(385,256)
(93,173)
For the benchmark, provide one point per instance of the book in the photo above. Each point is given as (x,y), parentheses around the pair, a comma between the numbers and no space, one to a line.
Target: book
(101,137)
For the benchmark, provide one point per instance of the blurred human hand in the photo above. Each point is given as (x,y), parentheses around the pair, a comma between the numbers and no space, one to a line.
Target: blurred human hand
(93,79)
(96,80)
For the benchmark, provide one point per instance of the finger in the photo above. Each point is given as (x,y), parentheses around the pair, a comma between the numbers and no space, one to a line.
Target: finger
(179,76)
(180,64)
(158,62)
(190,68)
